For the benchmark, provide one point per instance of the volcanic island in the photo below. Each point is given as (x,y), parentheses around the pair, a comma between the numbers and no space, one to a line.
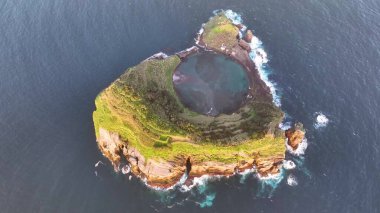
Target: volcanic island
(201,111)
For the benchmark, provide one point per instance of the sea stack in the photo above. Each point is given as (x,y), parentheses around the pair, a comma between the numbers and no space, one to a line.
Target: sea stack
(295,135)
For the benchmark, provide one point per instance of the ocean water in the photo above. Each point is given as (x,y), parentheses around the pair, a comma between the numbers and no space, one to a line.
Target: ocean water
(211,84)
(56,56)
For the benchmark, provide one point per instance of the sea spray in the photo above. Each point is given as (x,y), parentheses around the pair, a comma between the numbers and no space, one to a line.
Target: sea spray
(260,58)
(199,34)
(125,169)
(292,181)
(289,165)
(202,195)
(244,174)
(268,185)
(285,125)
(159,55)
(320,120)
(179,184)
(208,201)
(98,163)
(200,182)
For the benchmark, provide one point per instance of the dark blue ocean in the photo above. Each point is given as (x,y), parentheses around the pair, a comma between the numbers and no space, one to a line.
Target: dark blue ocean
(56,56)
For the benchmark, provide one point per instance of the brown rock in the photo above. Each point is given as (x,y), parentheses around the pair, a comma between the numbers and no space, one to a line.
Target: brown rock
(187,52)
(244,45)
(295,135)
(164,174)
(248,36)
(240,26)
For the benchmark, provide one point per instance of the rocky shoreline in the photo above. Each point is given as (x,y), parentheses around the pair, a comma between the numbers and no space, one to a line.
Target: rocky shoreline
(164,175)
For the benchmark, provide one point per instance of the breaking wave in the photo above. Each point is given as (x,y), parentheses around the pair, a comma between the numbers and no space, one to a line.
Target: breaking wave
(285,125)
(292,181)
(320,120)
(288,164)
(268,185)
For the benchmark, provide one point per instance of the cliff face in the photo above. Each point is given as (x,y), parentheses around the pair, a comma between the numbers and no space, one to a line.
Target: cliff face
(140,122)
(164,174)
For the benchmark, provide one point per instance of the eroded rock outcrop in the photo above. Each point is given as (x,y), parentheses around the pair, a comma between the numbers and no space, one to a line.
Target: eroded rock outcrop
(160,174)
(163,174)
(248,36)
(295,135)
(244,45)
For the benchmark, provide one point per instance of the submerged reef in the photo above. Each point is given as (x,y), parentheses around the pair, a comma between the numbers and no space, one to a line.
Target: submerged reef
(141,123)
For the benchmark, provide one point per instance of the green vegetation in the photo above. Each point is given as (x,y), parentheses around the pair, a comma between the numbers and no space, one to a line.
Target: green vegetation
(220,31)
(163,149)
(141,106)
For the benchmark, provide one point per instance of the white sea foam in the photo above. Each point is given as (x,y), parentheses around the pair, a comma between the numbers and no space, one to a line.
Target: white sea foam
(183,179)
(285,125)
(179,183)
(208,201)
(292,181)
(98,163)
(247,171)
(234,17)
(267,185)
(300,149)
(176,77)
(197,181)
(288,165)
(259,57)
(199,34)
(244,174)
(157,55)
(320,120)
(125,169)
(270,177)
(190,49)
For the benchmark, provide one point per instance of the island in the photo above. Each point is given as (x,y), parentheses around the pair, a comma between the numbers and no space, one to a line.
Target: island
(201,111)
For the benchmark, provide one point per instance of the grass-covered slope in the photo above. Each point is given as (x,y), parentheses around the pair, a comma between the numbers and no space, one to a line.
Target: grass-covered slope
(143,109)
(219,30)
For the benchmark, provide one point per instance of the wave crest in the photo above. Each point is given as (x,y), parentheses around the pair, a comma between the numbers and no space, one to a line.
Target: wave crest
(320,120)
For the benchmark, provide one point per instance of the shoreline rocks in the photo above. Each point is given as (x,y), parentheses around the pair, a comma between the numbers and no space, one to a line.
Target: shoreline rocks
(248,36)
(295,135)
(163,175)
(244,45)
